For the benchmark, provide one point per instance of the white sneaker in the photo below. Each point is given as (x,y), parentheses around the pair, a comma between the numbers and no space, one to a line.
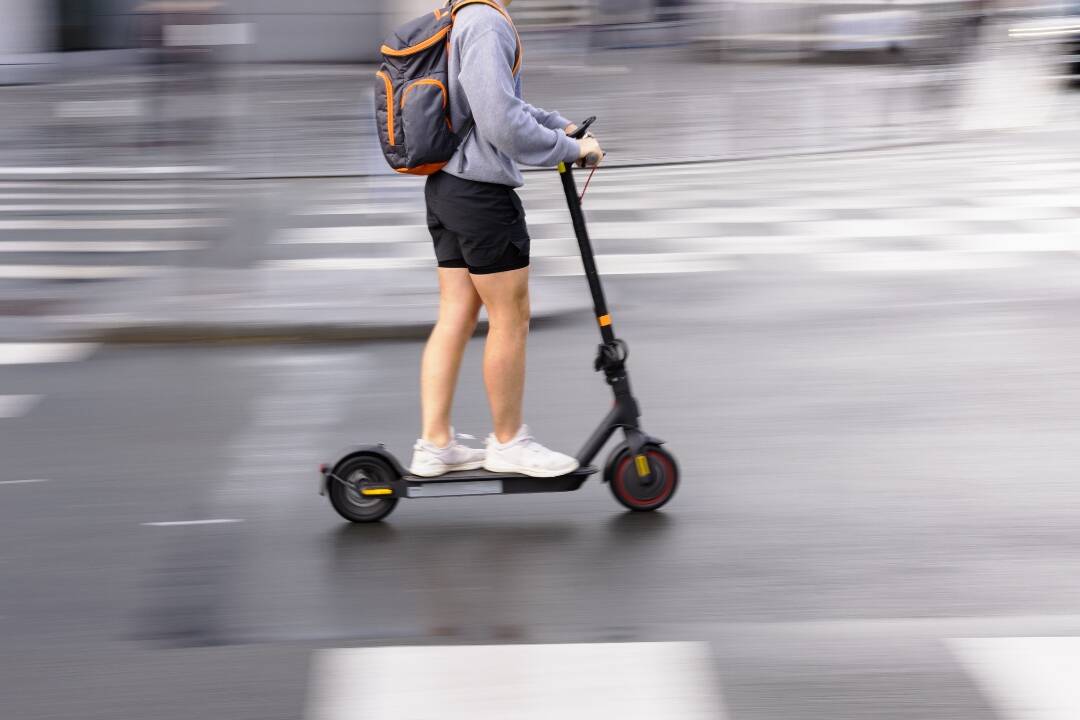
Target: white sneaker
(430,460)
(526,456)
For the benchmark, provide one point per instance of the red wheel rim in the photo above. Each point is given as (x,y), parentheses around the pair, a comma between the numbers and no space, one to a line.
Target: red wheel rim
(665,491)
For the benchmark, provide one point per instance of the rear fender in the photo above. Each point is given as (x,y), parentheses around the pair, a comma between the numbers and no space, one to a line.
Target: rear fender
(327,471)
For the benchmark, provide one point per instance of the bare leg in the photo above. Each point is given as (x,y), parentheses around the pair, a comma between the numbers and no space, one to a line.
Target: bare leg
(459,305)
(506,296)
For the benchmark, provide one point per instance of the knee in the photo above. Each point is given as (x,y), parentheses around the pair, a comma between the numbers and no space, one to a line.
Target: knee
(459,319)
(511,315)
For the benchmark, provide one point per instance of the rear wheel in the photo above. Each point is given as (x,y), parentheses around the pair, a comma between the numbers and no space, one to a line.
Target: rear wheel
(637,493)
(354,474)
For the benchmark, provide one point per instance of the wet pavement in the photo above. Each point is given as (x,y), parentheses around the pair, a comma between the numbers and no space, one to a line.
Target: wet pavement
(872,465)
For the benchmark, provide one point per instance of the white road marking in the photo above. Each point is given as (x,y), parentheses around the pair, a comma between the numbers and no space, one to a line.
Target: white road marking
(128,187)
(1027,678)
(372,209)
(354,234)
(628,681)
(351,263)
(883,228)
(105,246)
(118,107)
(13,406)
(1032,200)
(128,194)
(76,272)
(59,207)
(103,170)
(638,264)
(1018,243)
(301,101)
(23,482)
(118,224)
(174,523)
(916,261)
(34,353)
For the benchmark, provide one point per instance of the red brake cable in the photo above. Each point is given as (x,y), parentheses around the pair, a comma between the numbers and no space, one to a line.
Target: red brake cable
(587,181)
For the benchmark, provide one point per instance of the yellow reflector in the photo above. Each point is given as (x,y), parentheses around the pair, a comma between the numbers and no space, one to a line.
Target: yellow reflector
(642,465)
(376,491)
(562,167)
(604,320)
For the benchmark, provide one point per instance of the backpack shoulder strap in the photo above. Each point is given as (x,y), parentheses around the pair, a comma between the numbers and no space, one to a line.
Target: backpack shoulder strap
(456,5)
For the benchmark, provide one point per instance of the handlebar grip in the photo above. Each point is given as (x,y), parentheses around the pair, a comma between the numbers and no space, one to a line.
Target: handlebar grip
(591,160)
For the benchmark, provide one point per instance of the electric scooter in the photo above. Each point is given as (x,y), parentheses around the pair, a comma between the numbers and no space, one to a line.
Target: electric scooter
(367,481)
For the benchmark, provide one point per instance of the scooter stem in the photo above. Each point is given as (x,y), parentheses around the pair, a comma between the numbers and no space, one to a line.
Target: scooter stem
(588,259)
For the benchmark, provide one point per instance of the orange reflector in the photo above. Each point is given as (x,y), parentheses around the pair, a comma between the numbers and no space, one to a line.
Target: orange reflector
(604,320)
(642,465)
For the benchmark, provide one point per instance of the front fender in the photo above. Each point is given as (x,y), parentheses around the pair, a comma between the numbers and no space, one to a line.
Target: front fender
(613,456)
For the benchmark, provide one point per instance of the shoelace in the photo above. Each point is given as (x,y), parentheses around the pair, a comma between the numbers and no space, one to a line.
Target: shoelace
(531,446)
(420,444)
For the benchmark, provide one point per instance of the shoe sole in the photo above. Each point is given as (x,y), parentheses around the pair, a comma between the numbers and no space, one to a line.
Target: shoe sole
(531,472)
(476,465)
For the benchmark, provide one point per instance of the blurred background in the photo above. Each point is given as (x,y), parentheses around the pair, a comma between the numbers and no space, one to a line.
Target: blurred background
(840,236)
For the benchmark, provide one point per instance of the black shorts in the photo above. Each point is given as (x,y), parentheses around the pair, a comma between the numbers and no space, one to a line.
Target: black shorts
(476,225)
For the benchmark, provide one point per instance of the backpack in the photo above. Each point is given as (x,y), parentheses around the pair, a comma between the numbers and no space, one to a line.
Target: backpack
(412,108)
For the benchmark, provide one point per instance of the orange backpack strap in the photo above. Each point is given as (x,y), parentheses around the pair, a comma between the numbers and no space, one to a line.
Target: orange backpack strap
(502,11)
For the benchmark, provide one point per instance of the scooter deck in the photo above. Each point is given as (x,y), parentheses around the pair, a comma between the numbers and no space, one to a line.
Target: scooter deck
(482,482)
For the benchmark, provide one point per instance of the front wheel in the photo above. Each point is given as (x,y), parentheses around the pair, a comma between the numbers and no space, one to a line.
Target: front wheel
(353,474)
(637,493)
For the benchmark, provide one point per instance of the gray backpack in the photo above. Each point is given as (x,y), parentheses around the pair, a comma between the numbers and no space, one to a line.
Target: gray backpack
(412,106)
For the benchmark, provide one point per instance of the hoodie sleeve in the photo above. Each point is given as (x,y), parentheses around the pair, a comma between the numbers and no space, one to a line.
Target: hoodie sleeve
(552,120)
(500,117)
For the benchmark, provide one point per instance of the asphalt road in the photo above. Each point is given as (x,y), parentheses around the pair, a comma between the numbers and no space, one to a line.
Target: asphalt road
(872,465)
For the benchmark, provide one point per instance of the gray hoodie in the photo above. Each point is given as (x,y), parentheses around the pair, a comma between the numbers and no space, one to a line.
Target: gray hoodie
(507,130)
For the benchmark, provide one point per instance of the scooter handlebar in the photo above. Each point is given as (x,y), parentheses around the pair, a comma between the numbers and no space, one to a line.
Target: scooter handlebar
(591,159)
(583,128)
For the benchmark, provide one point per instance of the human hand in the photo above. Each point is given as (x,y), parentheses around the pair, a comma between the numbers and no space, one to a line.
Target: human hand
(589,152)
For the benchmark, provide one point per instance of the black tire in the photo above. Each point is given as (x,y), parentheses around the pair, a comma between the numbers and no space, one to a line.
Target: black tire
(347,500)
(627,486)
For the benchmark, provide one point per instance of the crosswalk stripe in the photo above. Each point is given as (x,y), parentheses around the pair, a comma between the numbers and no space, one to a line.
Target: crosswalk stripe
(34,353)
(13,406)
(1027,678)
(916,261)
(118,224)
(350,263)
(638,264)
(60,207)
(628,681)
(372,209)
(90,246)
(138,170)
(129,188)
(125,195)
(76,272)
(353,234)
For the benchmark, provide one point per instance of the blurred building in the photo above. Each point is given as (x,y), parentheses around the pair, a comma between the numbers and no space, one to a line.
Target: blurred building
(286,31)
(351,30)
(26,35)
